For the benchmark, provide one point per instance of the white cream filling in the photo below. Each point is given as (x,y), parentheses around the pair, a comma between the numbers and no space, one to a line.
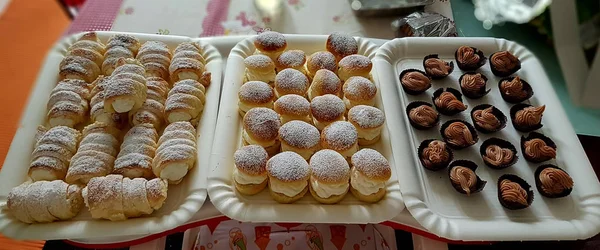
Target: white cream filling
(344,75)
(174,172)
(187,75)
(122,105)
(287,118)
(368,134)
(251,141)
(246,179)
(288,189)
(350,104)
(363,185)
(266,77)
(179,116)
(245,107)
(59,121)
(305,153)
(328,190)
(42,175)
(322,125)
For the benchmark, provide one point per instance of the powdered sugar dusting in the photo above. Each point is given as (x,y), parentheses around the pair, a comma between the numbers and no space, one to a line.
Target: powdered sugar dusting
(327,82)
(359,88)
(292,104)
(330,166)
(340,135)
(322,60)
(291,59)
(256,92)
(355,62)
(271,40)
(262,123)
(259,61)
(288,166)
(371,163)
(291,81)
(299,134)
(366,116)
(252,159)
(327,107)
(342,44)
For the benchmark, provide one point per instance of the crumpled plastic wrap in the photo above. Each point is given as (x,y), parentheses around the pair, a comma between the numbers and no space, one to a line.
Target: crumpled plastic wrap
(424,24)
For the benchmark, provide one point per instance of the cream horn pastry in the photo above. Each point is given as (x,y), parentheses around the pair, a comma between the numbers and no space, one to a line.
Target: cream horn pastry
(156,58)
(68,103)
(96,153)
(44,201)
(137,151)
(152,111)
(97,112)
(84,58)
(187,63)
(119,46)
(185,101)
(53,152)
(176,152)
(126,88)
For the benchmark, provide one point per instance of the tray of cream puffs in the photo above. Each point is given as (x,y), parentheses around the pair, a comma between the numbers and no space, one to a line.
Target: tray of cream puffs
(303,133)
(491,155)
(114,139)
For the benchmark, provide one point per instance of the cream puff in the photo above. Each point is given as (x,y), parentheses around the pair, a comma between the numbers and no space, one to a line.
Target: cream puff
(270,43)
(293,107)
(340,136)
(255,94)
(291,59)
(327,109)
(341,45)
(250,173)
(300,137)
(320,60)
(260,68)
(368,122)
(324,82)
(288,176)
(359,91)
(368,175)
(355,65)
(290,81)
(261,127)
(329,178)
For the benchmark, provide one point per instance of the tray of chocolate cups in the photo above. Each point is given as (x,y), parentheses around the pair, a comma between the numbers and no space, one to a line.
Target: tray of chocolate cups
(487,150)
(302,133)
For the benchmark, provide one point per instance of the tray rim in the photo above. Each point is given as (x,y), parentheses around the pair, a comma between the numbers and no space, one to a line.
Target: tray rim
(586,226)
(219,187)
(196,195)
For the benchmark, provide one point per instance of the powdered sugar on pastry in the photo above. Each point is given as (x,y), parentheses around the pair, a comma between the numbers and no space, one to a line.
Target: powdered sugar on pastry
(53,153)
(176,152)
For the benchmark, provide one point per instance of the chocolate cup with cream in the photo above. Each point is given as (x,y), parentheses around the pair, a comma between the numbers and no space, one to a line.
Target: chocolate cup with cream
(496,112)
(500,143)
(504,72)
(444,110)
(409,90)
(513,99)
(479,185)
(470,67)
(436,76)
(538,182)
(416,125)
(536,135)
(515,205)
(438,166)
(474,94)
(521,127)
(469,126)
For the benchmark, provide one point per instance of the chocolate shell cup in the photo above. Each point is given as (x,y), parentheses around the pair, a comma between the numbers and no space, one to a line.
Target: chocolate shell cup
(474,94)
(523,128)
(503,73)
(512,99)
(471,165)
(499,115)
(411,91)
(434,167)
(415,104)
(501,143)
(514,205)
(435,77)
(538,183)
(536,135)
(471,67)
(469,126)
(445,111)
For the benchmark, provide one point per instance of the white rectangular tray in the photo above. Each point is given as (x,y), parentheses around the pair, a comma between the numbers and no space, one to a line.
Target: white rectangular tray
(261,207)
(183,200)
(429,196)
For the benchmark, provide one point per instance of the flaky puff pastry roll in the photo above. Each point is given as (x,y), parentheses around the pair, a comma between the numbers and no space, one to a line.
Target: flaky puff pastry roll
(187,62)
(68,103)
(119,46)
(152,111)
(126,88)
(176,152)
(156,58)
(44,201)
(96,153)
(52,153)
(97,112)
(185,101)
(83,59)
(137,150)
(115,197)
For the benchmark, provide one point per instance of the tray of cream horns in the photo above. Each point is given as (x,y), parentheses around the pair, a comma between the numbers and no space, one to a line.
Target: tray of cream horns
(303,133)
(114,138)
